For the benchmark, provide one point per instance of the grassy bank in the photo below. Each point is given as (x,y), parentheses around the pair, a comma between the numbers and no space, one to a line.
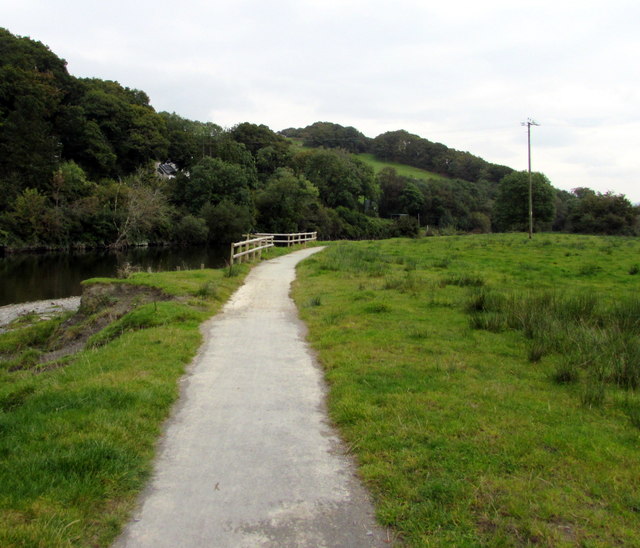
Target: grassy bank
(77,434)
(402,169)
(486,384)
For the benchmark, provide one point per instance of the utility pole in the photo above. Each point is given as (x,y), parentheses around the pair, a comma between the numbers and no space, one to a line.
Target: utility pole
(530,122)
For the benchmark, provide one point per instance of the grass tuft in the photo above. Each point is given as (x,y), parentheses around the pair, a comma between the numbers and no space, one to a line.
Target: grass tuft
(463,280)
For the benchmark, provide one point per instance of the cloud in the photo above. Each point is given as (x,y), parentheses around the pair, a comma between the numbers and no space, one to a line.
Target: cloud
(459,72)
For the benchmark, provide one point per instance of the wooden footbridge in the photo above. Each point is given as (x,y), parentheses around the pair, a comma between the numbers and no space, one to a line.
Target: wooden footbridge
(251,248)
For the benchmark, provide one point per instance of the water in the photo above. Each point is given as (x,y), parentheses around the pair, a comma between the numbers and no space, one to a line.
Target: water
(28,277)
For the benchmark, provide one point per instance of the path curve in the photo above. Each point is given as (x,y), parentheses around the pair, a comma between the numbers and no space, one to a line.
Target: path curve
(248,458)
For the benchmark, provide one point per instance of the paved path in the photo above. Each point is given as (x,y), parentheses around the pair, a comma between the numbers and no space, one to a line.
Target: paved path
(248,458)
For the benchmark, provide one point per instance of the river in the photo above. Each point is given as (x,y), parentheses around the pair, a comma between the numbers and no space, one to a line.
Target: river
(26,277)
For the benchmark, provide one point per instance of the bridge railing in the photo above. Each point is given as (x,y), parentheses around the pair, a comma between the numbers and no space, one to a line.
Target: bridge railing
(291,239)
(249,249)
(252,247)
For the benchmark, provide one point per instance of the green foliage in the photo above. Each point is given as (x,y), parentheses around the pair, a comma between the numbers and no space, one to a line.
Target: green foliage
(288,203)
(342,179)
(191,230)
(329,135)
(29,215)
(211,181)
(227,221)
(189,140)
(78,156)
(511,208)
(269,150)
(407,226)
(406,148)
(596,213)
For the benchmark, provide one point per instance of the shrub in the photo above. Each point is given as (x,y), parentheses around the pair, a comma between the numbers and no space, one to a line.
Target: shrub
(191,230)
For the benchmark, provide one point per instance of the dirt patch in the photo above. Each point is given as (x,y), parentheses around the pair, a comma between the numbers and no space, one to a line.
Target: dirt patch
(100,305)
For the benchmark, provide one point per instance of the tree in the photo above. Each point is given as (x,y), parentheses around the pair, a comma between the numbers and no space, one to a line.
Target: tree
(254,137)
(329,135)
(140,209)
(227,221)
(69,183)
(608,213)
(30,213)
(125,120)
(342,179)
(212,180)
(288,203)
(191,230)
(511,207)
(28,148)
(391,187)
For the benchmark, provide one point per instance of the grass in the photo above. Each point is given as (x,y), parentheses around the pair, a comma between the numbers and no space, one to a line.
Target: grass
(77,436)
(377,165)
(462,395)
(402,169)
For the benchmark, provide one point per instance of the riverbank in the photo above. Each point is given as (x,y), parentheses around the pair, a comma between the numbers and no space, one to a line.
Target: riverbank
(28,277)
(79,432)
(44,309)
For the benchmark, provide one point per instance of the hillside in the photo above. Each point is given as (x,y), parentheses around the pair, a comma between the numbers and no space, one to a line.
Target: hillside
(79,158)
(403,170)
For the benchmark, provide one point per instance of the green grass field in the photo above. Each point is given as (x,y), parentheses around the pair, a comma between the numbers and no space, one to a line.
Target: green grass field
(401,169)
(486,385)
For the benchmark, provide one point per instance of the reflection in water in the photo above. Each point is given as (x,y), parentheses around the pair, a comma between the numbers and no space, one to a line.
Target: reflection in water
(33,277)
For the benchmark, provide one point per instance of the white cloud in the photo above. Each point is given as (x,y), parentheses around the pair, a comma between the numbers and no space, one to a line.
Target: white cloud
(459,72)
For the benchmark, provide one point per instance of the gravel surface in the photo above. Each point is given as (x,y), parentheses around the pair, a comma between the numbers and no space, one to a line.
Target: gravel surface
(45,309)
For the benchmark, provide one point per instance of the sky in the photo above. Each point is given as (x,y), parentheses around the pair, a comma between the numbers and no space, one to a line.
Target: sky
(463,73)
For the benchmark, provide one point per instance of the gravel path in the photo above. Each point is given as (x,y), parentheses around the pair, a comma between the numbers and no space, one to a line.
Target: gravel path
(249,458)
(44,309)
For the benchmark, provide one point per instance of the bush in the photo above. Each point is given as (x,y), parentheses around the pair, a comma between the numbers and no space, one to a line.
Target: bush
(407,226)
(191,230)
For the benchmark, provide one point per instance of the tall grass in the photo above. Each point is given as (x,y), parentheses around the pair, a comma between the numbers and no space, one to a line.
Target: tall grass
(599,339)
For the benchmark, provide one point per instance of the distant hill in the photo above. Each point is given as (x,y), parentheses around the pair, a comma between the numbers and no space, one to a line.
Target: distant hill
(402,148)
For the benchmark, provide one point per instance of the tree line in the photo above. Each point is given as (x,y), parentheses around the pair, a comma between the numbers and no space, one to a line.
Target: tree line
(79,159)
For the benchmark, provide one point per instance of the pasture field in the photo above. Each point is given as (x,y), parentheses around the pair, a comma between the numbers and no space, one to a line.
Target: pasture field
(487,385)
(402,169)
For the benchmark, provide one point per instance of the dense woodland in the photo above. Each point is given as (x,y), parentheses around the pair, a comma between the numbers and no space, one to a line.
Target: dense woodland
(79,168)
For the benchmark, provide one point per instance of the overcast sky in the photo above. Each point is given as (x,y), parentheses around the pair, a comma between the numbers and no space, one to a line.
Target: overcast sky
(463,73)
